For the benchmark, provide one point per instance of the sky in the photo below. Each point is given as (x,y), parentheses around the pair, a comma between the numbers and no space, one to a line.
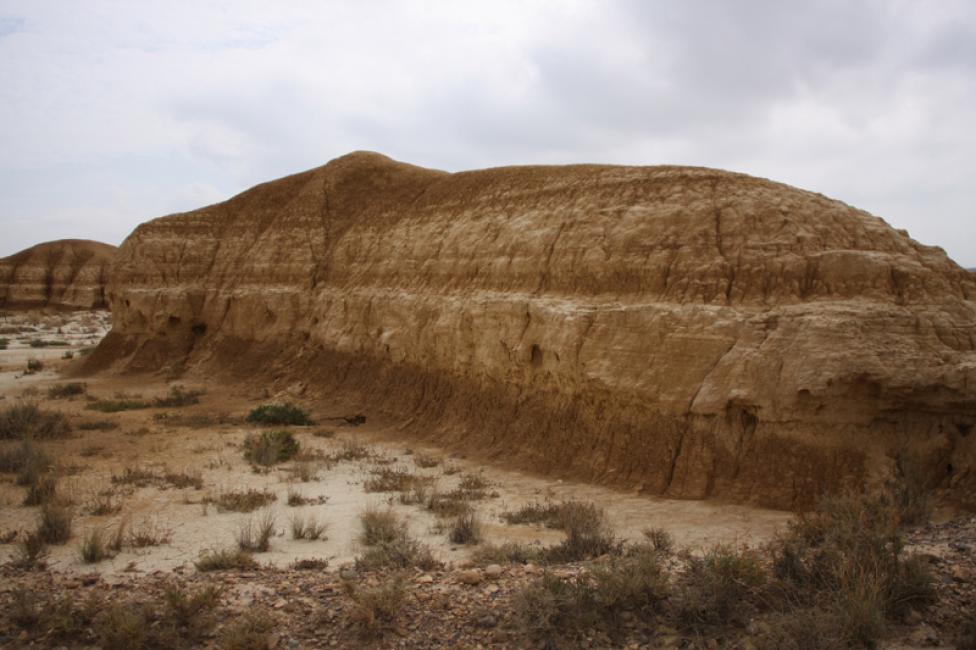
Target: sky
(113,113)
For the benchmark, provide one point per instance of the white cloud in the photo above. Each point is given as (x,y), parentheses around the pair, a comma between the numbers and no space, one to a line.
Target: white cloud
(114,113)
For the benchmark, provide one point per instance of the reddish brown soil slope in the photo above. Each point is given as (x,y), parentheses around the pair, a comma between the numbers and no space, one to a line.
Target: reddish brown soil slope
(690,331)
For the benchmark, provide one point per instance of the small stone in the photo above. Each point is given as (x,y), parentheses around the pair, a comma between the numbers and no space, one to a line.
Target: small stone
(486,621)
(348,572)
(493,571)
(280,603)
(531,569)
(469,577)
(425,579)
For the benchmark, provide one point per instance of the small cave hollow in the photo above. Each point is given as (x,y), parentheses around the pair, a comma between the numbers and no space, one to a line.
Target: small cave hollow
(535,356)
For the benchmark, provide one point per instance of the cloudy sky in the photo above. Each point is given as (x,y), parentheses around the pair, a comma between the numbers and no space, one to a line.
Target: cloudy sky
(112,113)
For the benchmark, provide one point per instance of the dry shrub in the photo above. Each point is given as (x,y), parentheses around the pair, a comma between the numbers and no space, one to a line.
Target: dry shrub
(30,552)
(242,501)
(62,391)
(98,425)
(310,564)
(718,588)
(588,534)
(390,479)
(310,529)
(54,523)
(426,462)
(375,610)
(270,447)
(251,631)
(465,529)
(350,451)
(255,535)
(226,560)
(122,626)
(279,414)
(447,504)
(117,405)
(22,421)
(188,615)
(553,610)
(507,553)
(847,558)
(94,548)
(178,397)
(379,526)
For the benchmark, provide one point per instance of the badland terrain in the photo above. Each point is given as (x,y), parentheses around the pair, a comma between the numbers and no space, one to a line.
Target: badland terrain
(549,406)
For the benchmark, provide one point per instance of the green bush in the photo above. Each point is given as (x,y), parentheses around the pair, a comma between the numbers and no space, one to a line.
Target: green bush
(270,447)
(279,414)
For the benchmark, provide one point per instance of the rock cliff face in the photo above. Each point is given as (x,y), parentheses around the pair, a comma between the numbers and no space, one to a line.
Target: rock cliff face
(67,274)
(692,332)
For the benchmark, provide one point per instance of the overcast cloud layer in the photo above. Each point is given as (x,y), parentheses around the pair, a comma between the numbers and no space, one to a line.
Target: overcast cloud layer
(112,113)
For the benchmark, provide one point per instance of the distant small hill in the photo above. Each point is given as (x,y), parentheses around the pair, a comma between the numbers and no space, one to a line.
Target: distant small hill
(66,274)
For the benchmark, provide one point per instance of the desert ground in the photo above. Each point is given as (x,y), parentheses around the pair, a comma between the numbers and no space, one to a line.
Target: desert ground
(189,524)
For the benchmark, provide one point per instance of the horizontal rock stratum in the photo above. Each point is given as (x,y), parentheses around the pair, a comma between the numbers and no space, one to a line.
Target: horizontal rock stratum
(65,274)
(688,331)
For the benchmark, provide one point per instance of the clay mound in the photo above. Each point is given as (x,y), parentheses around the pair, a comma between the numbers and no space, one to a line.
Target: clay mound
(64,274)
(687,331)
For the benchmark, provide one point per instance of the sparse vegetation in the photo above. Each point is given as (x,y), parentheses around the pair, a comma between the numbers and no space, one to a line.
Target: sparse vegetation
(379,526)
(178,397)
(54,523)
(270,447)
(350,451)
(465,529)
(226,560)
(242,500)
(254,536)
(279,414)
(23,421)
(62,391)
(34,365)
(98,425)
(117,405)
(310,564)
(42,489)
(507,553)
(425,461)
(251,631)
(307,528)
(93,547)
(588,534)
(375,610)
(393,479)
(31,551)
(45,343)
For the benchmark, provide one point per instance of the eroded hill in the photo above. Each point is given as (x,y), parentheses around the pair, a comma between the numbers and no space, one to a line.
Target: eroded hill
(688,331)
(65,274)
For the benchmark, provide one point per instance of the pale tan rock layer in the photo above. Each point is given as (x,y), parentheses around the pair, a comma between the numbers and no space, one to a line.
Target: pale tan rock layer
(690,331)
(65,274)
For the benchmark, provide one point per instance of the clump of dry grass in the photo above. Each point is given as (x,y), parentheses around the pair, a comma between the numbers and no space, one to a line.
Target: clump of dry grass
(94,548)
(242,500)
(251,631)
(270,447)
(425,461)
(178,397)
(465,529)
(54,523)
(350,451)
(62,391)
(307,528)
(393,479)
(254,536)
(226,560)
(375,610)
(24,421)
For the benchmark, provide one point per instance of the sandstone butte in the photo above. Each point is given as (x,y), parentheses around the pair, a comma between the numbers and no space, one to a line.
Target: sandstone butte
(63,274)
(688,332)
